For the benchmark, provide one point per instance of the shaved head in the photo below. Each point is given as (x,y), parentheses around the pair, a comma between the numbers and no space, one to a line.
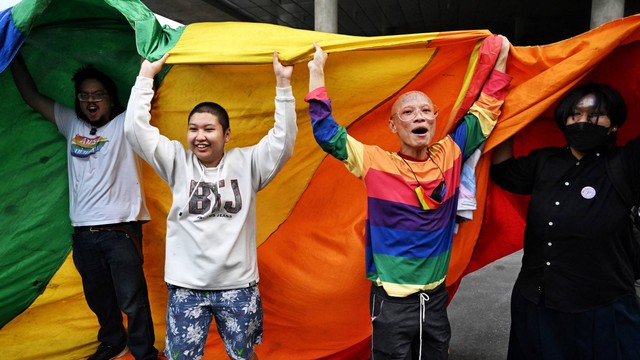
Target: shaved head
(410,97)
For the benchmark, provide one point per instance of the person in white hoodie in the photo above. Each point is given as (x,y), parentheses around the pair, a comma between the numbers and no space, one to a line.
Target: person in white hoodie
(211,266)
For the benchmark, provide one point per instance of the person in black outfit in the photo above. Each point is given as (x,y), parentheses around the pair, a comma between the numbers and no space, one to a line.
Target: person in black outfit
(574,297)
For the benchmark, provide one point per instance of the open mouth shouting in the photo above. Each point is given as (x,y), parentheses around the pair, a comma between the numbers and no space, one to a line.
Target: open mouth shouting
(420,130)
(92,111)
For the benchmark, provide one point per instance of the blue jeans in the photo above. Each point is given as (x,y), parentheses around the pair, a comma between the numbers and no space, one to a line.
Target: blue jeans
(110,265)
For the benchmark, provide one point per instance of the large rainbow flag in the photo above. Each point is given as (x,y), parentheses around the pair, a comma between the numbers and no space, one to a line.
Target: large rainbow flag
(310,219)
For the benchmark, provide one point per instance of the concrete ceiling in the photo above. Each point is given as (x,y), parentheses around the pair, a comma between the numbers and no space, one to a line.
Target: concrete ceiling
(524,22)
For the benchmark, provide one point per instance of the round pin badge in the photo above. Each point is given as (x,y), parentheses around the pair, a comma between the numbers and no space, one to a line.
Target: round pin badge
(588,192)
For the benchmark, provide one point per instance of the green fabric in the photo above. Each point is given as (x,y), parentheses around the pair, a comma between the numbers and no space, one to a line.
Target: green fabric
(62,36)
(338,144)
(416,271)
(34,193)
(152,40)
(474,135)
(26,12)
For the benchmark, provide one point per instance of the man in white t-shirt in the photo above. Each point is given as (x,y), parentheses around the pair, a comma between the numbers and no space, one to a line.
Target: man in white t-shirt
(106,207)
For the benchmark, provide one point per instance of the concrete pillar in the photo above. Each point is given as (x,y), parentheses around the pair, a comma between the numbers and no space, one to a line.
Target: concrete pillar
(603,11)
(326,16)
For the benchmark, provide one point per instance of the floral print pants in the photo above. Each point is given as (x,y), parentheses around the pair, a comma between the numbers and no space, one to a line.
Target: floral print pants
(238,315)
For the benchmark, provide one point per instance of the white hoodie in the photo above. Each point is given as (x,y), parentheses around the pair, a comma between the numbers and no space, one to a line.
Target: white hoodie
(211,230)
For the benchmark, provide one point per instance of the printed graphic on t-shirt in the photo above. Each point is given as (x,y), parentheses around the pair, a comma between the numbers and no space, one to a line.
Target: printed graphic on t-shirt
(206,200)
(82,146)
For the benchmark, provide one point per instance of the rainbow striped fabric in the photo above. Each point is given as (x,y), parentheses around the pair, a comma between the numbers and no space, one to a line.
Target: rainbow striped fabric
(312,218)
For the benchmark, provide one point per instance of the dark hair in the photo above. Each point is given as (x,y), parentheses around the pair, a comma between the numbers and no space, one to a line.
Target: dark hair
(608,101)
(89,72)
(215,110)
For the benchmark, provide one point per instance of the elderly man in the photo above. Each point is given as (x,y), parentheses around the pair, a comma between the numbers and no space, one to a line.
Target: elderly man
(412,200)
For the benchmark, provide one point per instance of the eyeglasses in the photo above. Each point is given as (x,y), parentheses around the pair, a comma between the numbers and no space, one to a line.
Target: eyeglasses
(95,96)
(410,113)
(592,117)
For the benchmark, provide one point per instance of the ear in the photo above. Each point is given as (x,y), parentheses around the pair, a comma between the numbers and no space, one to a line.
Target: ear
(227,135)
(392,126)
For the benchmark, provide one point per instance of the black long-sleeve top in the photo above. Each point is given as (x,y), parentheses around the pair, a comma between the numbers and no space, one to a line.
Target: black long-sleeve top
(578,242)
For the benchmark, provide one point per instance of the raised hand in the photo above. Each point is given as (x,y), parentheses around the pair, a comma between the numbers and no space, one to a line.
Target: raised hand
(283,72)
(319,59)
(316,68)
(150,69)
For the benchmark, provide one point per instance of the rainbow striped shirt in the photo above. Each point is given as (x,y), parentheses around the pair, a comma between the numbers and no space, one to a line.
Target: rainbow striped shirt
(408,248)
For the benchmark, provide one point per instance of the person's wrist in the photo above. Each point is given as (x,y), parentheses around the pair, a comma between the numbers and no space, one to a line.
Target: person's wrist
(146,73)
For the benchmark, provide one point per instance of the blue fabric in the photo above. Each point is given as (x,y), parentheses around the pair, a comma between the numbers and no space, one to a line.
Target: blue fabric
(10,37)
(459,135)
(331,137)
(409,244)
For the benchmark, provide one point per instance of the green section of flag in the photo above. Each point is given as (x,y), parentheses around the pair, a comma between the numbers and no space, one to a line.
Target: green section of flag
(61,36)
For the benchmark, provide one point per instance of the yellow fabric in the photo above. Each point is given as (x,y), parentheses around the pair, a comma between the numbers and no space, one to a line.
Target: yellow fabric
(253,43)
(247,92)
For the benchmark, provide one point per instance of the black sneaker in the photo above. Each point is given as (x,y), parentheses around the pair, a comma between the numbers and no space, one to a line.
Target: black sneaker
(108,352)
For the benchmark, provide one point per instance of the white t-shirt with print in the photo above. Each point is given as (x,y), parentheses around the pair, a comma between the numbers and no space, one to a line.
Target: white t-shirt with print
(104,172)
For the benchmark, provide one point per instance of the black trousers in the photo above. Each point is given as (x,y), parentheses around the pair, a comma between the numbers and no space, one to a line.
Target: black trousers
(405,327)
(609,332)
(113,281)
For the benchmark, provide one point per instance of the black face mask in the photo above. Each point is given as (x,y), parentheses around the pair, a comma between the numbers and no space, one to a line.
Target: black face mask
(585,136)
